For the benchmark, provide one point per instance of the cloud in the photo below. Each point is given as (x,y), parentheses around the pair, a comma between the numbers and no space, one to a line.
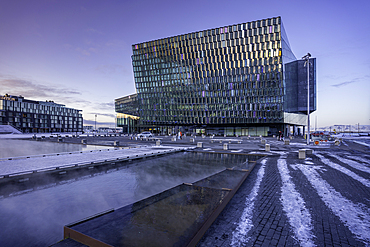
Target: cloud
(351,81)
(109,105)
(32,89)
(116,43)
(67,46)
(102,109)
(73,100)
(103,114)
(93,31)
(343,83)
(59,94)
(105,107)
(37,91)
(332,77)
(92,122)
(88,50)
(110,69)
(83,51)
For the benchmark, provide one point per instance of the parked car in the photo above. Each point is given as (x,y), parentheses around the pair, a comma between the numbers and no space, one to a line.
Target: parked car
(145,134)
(321,136)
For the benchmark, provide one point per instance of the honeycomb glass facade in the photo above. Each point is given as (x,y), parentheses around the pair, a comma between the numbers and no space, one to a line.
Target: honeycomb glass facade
(225,80)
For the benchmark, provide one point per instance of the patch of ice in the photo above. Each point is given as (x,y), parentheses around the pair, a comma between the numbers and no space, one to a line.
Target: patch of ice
(297,144)
(279,152)
(360,159)
(245,224)
(356,217)
(294,207)
(351,163)
(344,170)
(362,143)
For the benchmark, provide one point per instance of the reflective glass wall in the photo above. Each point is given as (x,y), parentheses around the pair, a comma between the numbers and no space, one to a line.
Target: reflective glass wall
(226,76)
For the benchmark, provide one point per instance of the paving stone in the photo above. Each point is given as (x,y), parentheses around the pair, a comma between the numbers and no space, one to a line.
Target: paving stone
(270,221)
(274,242)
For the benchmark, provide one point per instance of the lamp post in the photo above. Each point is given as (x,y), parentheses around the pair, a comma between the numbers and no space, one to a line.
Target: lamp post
(95,122)
(307,63)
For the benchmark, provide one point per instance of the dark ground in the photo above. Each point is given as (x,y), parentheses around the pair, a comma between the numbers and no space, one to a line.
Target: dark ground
(270,224)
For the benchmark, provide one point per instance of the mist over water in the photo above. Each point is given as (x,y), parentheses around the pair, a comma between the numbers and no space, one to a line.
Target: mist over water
(36,216)
(15,148)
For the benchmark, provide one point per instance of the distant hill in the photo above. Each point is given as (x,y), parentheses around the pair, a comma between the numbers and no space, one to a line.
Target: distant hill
(346,128)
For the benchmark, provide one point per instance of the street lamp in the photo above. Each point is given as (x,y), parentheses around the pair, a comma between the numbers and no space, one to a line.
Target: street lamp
(95,122)
(307,63)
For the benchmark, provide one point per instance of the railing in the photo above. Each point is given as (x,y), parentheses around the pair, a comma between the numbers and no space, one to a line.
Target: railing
(20,130)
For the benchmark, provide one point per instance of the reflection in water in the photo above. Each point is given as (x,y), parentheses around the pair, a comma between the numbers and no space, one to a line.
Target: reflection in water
(171,218)
(17,148)
(38,216)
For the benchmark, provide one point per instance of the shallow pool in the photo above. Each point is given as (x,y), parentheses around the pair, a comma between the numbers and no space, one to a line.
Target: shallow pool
(35,215)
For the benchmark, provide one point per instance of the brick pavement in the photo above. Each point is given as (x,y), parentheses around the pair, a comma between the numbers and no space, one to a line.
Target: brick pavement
(271,226)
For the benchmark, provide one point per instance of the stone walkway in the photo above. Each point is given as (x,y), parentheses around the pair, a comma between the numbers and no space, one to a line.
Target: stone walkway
(61,160)
(323,200)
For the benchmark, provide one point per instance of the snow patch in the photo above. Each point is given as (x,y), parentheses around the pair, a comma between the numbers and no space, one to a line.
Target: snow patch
(245,224)
(355,216)
(362,143)
(294,207)
(360,159)
(353,175)
(352,163)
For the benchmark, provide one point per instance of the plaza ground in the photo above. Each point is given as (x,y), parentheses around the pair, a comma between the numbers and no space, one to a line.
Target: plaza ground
(322,200)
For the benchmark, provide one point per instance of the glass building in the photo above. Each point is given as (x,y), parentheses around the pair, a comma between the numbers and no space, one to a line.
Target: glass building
(31,116)
(240,79)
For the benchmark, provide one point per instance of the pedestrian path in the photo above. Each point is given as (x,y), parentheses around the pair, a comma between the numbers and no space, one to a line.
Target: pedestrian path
(322,200)
(18,166)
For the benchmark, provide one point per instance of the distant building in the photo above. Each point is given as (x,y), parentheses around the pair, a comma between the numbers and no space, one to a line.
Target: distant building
(240,79)
(32,116)
(88,128)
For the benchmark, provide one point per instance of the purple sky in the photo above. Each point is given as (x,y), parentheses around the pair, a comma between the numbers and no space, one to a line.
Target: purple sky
(78,52)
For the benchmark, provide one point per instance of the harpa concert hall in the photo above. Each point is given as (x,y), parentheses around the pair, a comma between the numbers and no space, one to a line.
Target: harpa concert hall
(240,79)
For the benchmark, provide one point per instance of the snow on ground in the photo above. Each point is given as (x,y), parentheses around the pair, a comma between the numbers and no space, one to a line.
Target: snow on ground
(340,168)
(30,135)
(360,159)
(62,160)
(294,207)
(356,217)
(362,143)
(320,145)
(351,163)
(245,224)
(346,135)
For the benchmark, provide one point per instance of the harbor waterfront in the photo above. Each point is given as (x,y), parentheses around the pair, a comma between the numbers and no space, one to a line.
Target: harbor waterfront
(285,200)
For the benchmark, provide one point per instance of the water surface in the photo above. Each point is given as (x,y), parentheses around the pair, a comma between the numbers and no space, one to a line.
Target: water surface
(36,215)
